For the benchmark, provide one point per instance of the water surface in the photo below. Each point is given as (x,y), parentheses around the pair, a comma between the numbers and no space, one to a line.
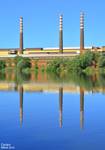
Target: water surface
(54,115)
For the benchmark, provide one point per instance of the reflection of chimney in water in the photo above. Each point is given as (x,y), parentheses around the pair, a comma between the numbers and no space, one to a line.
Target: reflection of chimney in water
(21,103)
(81,107)
(60,105)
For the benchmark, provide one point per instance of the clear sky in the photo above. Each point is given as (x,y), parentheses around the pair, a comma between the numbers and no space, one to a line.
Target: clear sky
(41,22)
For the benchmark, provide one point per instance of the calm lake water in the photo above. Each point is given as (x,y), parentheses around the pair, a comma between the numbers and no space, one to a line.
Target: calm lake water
(53,115)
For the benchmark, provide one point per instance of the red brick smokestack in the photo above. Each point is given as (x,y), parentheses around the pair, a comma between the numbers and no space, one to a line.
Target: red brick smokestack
(81,32)
(61,34)
(21,35)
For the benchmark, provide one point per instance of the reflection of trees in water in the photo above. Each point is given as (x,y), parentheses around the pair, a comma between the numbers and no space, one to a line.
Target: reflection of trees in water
(102,80)
(15,76)
(84,81)
(88,82)
(80,80)
(2,75)
(19,77)
(23,77)
(36,75)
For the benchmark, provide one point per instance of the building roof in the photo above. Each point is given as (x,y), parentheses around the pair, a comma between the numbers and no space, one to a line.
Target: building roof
(8,49)
(89,47)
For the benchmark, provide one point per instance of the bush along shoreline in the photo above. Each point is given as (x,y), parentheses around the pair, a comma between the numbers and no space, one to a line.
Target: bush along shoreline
(88,63)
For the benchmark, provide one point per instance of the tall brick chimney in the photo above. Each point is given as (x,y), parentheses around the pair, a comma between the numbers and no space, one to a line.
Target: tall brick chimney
(21,35)
(61,34)
(81,32)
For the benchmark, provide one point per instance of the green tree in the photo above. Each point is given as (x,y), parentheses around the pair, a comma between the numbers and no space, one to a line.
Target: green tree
(101,62)
(2,64)
(23,63)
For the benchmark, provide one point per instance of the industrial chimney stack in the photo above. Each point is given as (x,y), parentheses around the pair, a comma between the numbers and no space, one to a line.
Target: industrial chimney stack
(81,32)
(21,35)
(61,34)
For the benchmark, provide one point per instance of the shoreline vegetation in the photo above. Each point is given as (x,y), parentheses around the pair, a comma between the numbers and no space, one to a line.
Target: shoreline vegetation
(86,70)
(92,82)
(88,63)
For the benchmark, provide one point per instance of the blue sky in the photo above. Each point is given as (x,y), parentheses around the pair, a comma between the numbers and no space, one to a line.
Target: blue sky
(41,22)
